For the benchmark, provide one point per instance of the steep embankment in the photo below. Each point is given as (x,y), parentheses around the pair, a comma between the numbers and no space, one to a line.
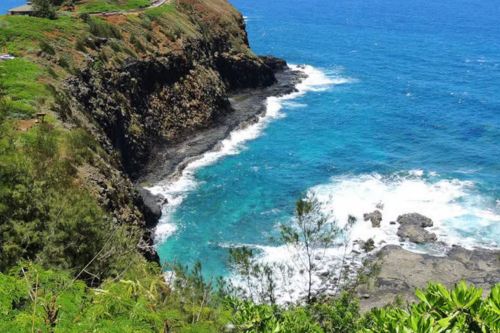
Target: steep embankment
(131,82)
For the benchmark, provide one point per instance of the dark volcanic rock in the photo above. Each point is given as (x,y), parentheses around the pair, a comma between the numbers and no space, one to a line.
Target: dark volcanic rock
(415,219)
(168,160)
(415,234)
(375,217)
(401,272)
(412,228)
(238,71)
(170,98)
(276,64)
(153,202)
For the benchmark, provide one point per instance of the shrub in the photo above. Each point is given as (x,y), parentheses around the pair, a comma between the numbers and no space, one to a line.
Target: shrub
(80,45)
(85,17)
(137,43)
(47,48)
(441,310)
(103,29)
(44,8)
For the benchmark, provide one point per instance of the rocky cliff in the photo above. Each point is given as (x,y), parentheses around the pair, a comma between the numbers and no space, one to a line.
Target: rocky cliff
(157,80)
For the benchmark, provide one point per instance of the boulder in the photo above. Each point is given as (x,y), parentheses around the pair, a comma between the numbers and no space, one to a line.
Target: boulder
(416,234)
(415,219)
(375,217)
(412,228)
(153,202)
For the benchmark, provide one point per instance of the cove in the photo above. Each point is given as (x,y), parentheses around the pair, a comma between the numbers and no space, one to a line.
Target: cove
(402,108)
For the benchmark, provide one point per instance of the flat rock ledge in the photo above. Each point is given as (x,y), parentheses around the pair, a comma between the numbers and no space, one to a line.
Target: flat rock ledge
(398,273)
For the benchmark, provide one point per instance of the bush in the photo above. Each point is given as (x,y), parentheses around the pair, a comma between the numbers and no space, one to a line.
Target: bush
(47,48)
(80,45)
(441,310)
(44,8)
(44,217)
(103,29)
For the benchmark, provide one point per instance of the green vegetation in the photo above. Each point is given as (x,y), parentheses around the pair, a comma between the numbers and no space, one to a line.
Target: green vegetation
(68,265)
(44,8)
(40,300)
(23,34)
(20,85)
(100,6)
(156,12)
(101,28)
(45,217)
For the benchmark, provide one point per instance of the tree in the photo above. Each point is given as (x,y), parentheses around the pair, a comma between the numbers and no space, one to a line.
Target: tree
(44,8)
(309,239)
(258,279)
(311,233)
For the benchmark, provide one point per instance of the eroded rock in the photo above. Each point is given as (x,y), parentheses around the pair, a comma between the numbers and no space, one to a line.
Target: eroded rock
(375,217)
(400,272)
(415,219)
(416,234)
(412,227)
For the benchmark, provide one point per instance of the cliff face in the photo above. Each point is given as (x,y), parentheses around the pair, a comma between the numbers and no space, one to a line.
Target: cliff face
(173,88)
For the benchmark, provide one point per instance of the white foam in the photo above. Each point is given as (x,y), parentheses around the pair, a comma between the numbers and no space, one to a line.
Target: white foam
(458,211)
(289,265)
(454,206)
(176,191)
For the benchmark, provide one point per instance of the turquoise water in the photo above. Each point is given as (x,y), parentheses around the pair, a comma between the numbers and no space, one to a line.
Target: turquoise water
(407,113)
(402,107)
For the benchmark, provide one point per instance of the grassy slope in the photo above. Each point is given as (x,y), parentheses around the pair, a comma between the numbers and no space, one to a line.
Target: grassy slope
(100,6)
(46,158)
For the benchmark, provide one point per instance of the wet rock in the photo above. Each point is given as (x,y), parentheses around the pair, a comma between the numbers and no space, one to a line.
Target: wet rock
(415,234)
(415,219)
(392,222)
(400,272)
(375,217)
(153,202)
(412,227)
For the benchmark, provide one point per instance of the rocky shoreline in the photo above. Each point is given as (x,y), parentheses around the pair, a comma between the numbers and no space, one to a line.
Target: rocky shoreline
(395,273)
(168,161)
(400,272)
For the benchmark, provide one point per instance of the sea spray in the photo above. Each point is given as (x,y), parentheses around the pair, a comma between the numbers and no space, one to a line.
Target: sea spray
(176,191)
(451,203)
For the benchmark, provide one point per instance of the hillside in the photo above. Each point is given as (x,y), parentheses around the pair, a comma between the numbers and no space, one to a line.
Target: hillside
(111,87)
(90,100)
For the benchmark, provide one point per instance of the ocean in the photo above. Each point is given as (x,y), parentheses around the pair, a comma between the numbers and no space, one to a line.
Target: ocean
(401,107)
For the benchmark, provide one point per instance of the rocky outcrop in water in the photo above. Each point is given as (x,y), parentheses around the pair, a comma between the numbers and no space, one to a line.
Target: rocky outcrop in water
(374,217)
(412,228)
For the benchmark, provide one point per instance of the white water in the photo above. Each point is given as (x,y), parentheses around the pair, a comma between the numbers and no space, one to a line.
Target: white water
(453,205)
(175,191)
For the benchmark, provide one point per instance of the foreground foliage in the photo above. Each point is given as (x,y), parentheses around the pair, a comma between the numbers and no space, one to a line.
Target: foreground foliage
(33,299)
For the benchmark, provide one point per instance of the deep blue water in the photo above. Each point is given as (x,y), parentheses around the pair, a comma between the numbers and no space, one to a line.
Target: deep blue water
(416,126)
